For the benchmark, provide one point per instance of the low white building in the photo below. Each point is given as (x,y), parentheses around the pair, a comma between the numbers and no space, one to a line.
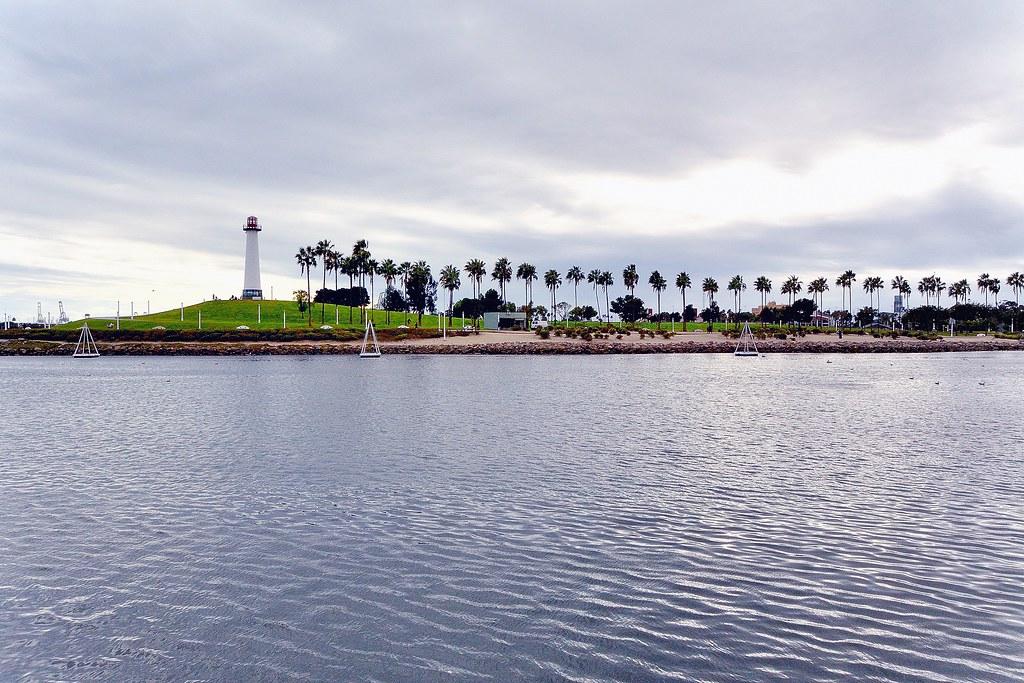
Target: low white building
(504,321)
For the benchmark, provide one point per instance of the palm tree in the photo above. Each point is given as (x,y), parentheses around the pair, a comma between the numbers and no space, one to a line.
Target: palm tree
(322,249)
(475,269)
(846,281)
(404,272)
(710,287)
(736,286)
(552,280)
(350,267)
(449,279)
(866,286)
(683,283)
(306,258)
(575,276)
(658,284)
(502,274)
(955,292)
(372,269)
(336,262)
(792,286)
(984,282)
(1016,282)
(630,278)
(959,290)
(527,273)
(389,271)
(817,289)
(994,285)
(594,278)
(606,280)
(361,266)
(331,264)
(877,285)
(764,286)
(897,284)
(938,286)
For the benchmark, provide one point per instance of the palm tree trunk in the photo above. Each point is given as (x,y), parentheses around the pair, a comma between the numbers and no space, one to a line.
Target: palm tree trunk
(575,295)
(323,304)
(308,296)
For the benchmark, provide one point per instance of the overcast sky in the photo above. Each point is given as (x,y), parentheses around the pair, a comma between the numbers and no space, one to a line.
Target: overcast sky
(716,137)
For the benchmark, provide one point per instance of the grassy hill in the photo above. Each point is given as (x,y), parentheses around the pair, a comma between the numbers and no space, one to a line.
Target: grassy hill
(228,315)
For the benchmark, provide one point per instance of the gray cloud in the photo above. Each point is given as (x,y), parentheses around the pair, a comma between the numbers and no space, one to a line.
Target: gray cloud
(169,123)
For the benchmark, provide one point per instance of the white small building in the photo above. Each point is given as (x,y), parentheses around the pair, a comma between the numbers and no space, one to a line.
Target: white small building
(504,321)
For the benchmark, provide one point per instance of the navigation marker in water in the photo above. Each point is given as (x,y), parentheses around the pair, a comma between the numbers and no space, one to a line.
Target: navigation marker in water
(746,345)
(370,348)
(86,346)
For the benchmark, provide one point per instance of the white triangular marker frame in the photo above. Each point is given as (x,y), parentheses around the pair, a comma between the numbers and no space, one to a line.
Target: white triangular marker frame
(370,347)
(746,345)
(86,346)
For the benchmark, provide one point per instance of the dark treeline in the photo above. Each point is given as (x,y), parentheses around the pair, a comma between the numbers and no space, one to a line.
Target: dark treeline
(355,297)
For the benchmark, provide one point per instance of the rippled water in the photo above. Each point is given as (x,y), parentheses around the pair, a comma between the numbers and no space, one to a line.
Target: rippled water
(625,518)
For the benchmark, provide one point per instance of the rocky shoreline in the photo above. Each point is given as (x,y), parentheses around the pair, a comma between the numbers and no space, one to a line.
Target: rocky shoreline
(528,346)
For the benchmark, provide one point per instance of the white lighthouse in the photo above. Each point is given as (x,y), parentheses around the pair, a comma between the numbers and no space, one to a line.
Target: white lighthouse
(251,288)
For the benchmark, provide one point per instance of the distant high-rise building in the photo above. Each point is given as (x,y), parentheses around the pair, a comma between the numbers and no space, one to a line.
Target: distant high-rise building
(897,305)
(251,288)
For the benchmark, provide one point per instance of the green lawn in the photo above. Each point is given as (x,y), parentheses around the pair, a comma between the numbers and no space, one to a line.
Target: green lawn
(227,315)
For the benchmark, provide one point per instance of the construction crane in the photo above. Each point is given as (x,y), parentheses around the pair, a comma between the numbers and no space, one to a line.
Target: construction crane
(63,319)
(39,313)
